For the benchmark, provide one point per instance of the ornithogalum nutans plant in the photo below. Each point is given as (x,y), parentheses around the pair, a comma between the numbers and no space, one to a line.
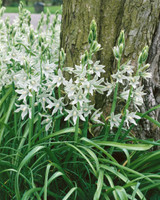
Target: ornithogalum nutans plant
(48,149)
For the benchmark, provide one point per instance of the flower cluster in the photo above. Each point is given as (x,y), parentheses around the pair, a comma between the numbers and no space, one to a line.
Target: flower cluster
(30,60)
(132,93)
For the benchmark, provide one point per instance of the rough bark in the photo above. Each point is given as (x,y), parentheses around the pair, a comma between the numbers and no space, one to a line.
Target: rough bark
(139,19)
(75,25)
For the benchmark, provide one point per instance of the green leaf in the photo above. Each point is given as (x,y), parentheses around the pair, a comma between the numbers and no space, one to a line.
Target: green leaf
(93,155)
(54,176)
(6,95)
(150,119)
(99,185)
(27,194)
(121,192)
(66,130)
(135,191)
(98,147)
(69,193)
(121,176)
(23,162)
(46,180)
(7,116)
(85,157)
(135,147)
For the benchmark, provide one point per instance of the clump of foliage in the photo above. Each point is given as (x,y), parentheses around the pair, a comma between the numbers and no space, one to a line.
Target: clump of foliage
(46,149)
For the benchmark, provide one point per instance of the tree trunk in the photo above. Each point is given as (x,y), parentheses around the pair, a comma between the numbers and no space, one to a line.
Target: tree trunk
(138,18)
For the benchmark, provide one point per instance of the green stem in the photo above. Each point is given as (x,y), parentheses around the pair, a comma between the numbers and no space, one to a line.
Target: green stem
(107,125)
(143,115)
(38,127)
(123,119)
(76,130)
(85,128)
(59,92)
(15,115)
(41,75)
(77,126)
(31,121)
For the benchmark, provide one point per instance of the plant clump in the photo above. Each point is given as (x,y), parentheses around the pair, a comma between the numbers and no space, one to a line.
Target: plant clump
(47,147)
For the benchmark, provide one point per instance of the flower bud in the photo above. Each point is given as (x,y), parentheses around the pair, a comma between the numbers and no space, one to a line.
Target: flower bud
(86,56)
(20,6)
(93,32)
(13,32)
(2,11)
(121,39)
(143,55)
(29,20)
(90,37)
(146,66)
(93,26)
(62,55)
(116,52)
(95,46)
(121,48)
(31,35)
(83,59)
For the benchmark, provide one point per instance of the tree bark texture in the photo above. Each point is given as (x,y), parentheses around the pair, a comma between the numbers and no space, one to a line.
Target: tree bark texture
(140,21)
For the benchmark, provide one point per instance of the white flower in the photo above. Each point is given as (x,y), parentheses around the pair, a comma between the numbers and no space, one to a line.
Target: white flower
(80,98)
(88,87)
(34,83)
(124,95)
(130,118)
(95,117)
(116,52)
(98,68)
(86,109)
(133,81)
(138,97)
(49,86)
(47,122)
(70,88)
(110,87)
(97,84)
(145,75)
(74,114)
(21,58)
(115,120)
(43,98)
(119,76)
(80,70)
(20,79)
(48,69)
(59,79)
(127,68)
(25,110)
(24,93)
(58,105)
(68,69)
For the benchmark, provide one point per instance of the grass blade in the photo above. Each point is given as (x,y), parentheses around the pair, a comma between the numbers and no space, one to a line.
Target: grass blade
(69,193)
(99,185)
(134,147)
